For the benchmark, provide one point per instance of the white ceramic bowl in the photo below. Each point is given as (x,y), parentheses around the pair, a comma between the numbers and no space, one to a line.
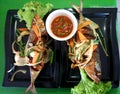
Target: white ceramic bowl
(61,12)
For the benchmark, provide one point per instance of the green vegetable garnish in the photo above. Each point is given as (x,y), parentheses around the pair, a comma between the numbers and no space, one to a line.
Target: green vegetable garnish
(52,56)
(21,44)
(87,86)
(30,9)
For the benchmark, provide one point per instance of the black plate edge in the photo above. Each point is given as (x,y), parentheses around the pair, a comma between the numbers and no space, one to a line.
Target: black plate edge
(115,48)
(7,25)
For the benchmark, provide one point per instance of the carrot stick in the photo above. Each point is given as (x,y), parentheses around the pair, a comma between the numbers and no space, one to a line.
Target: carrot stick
(36,31)
(71,42)
(81,36)
(83,24)
(22,29)
(95,47)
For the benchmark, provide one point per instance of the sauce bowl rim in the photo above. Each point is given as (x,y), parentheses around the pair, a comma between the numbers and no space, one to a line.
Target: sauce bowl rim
(61,12)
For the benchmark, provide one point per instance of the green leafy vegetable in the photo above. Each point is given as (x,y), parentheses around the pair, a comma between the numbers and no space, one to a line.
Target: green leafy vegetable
(30,9)
(87,86)
(21,46)
(52,56)
(102,41)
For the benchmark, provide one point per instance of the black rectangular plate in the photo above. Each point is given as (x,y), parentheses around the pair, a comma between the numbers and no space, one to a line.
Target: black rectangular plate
(106,19)
(59,74)
(48,77)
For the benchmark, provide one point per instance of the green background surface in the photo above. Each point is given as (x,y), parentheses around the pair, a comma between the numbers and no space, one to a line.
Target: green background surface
(6,5)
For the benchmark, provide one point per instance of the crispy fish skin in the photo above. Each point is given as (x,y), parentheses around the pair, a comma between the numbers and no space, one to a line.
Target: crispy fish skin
(35,43)
(87,59)
(82,55)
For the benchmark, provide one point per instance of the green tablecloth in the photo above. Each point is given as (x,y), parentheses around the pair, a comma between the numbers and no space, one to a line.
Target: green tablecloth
(5,5)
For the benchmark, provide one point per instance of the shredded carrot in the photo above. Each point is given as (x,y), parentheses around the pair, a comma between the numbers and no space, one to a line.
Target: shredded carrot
(95,47)
(81,36)
(36,30)
(71,42)
(86,23)
(22,29)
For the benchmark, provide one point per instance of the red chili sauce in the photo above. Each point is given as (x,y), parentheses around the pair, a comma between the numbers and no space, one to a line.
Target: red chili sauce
(62,26)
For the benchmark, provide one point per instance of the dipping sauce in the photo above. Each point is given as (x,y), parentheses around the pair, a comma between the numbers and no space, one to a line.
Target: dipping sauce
(61,26)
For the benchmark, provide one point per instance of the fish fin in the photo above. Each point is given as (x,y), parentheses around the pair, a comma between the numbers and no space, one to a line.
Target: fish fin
(31,88)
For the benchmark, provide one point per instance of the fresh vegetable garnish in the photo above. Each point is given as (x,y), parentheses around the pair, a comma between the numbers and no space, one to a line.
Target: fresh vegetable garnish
(87,86)
(21,32)
(30,9)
